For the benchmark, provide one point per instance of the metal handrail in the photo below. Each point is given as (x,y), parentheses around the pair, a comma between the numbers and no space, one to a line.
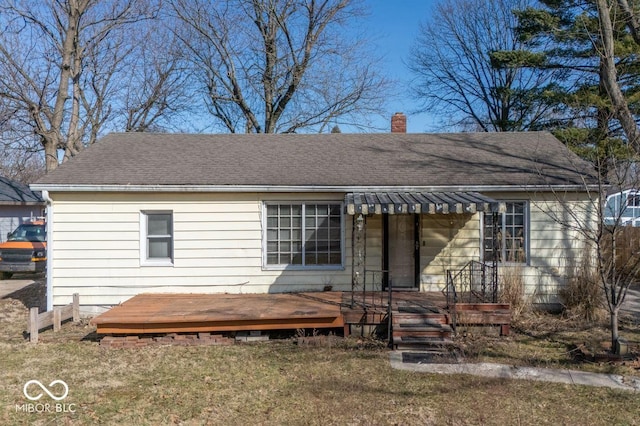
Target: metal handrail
(373,295)
(464,287)
(370,294)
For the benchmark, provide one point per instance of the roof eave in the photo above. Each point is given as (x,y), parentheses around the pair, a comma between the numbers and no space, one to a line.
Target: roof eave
(306,188)
(22,203)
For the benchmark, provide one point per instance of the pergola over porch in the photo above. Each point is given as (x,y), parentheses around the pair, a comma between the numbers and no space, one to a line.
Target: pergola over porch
(420,202)
(361,205)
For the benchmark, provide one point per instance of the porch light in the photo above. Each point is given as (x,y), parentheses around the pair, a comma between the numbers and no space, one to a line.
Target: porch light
(360,223)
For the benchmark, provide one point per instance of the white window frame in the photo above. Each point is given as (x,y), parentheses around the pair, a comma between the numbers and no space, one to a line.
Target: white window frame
(527,234)
(144,255)
(303,204)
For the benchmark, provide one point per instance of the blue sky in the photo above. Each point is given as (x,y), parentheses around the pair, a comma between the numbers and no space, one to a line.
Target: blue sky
(396,23)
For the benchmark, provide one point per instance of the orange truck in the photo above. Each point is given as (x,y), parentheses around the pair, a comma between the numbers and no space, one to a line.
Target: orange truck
(25,249)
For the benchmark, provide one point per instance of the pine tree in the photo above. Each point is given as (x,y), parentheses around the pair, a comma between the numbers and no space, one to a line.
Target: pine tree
(564,35)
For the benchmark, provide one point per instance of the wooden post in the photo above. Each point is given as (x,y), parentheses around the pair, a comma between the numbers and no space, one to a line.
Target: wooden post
(33,325)
(57,319)
(76,307)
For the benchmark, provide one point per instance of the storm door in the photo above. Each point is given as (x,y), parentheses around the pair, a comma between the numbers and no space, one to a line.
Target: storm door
(402,250)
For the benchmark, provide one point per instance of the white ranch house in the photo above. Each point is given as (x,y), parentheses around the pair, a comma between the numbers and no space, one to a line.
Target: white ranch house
(185,213)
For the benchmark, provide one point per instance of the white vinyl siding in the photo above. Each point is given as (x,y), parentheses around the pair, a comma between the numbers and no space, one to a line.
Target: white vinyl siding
(447,242)
(555,245)
(554,250)
(217,247)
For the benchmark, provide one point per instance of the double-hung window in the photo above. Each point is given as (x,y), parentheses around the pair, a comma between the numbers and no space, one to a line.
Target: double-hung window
(506,239)
(303,235)
(157,238)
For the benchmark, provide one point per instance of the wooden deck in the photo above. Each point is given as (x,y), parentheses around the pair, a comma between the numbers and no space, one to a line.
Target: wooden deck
(175,313)
(193,313)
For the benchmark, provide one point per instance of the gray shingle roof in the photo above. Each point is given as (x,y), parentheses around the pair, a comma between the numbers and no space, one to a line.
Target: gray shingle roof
(338,159)
(12,192)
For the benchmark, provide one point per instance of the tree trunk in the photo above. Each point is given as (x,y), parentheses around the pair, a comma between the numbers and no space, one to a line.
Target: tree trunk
(609,74)
(614,330)
(51,153)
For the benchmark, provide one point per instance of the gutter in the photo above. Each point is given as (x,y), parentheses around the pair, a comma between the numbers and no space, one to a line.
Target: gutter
(49,273)
(305,188)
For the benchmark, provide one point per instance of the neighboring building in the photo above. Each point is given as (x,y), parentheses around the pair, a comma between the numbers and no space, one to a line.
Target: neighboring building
(258,213)
(623,208)
(17,202)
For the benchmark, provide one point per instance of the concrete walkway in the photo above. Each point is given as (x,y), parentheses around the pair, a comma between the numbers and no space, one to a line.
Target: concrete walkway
(18,282)
(570,377)
(631,305)
(631,308)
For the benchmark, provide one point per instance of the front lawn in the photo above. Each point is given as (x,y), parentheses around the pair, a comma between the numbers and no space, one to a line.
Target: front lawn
(283,383)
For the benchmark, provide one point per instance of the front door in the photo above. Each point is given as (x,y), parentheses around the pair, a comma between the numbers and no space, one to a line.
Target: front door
(402,250)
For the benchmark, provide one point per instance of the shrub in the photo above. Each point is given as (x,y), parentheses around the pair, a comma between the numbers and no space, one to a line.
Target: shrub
(512,291)
(583,297)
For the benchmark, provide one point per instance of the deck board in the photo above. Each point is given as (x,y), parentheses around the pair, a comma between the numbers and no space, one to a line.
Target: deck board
(182,312)
(167,312)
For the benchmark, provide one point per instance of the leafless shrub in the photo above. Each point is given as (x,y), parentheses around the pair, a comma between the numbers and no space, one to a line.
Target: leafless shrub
(512,291)
(582,296)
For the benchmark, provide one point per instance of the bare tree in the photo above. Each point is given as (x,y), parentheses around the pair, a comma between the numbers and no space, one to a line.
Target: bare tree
(56,66)
(605,227)
(279,66)
(156,94)
(20,156)
(21,165)
(454,69)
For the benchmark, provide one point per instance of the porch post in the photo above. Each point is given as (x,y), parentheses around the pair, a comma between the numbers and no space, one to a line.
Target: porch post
(359,252)
(494,271)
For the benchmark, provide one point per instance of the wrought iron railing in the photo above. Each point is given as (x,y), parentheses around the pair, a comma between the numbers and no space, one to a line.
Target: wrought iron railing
(476,282)
(371,293)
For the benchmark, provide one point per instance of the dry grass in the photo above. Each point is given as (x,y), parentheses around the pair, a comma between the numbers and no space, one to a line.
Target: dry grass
(544,340)
(513,292)
(583,296)
(283,383)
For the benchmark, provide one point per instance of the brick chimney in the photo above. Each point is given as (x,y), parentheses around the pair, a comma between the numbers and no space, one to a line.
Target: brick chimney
(399,123)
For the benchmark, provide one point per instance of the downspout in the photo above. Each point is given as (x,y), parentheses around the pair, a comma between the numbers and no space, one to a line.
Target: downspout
(49,201)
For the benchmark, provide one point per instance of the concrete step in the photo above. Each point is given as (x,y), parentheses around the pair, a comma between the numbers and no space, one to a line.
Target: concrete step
(429,357)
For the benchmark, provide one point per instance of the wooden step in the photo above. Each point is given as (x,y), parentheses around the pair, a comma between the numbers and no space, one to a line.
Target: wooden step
(412,309)
(422,343)
(422,333)
(422,327)
(419,319)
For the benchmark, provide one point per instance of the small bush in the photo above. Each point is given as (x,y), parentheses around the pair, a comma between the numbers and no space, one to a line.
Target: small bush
(583,297)
(512,291)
